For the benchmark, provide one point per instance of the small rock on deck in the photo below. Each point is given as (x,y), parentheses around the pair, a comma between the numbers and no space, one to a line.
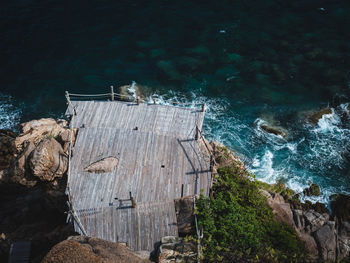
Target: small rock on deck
(156,153)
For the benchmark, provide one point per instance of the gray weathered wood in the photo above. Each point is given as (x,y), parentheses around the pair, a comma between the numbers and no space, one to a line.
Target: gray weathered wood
(155,159)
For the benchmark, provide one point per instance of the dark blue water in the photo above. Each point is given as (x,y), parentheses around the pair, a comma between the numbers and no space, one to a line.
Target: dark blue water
(250,61)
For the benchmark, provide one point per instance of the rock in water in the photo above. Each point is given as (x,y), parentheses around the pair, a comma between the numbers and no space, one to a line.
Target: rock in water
(105,165)
(314,118)
(48,160)
(313,190)
(273,130)
(130,92)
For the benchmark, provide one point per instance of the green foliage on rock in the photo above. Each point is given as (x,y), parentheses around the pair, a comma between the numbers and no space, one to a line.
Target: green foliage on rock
(239,226)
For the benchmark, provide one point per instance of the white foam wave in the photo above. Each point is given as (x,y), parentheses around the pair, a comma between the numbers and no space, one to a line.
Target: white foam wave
(345,107)
(263,168)
(132,89)
(328,123)
(9,114)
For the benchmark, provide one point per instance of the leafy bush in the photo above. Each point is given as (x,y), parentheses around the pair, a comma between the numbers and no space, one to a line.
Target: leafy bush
(239,226)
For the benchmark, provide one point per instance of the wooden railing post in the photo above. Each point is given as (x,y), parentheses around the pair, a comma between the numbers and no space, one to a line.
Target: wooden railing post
(67,97)
(203,107)
(112,93)
(133,202)
(196,136)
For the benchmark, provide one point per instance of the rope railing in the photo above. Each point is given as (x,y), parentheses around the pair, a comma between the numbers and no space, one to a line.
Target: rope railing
(131,98)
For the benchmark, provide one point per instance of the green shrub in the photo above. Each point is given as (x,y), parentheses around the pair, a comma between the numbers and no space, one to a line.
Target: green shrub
(238,225)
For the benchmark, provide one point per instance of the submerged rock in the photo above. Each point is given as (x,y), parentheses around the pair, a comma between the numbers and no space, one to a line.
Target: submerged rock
(313,190)
(315,117)
(274,130)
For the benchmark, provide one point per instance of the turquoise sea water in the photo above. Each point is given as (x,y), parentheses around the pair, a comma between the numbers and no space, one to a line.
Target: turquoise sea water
(250,61)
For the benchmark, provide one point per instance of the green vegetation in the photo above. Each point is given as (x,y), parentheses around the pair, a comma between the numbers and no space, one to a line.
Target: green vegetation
(239,226)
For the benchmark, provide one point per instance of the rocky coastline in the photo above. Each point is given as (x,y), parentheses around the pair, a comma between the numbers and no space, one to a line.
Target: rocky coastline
(33,174)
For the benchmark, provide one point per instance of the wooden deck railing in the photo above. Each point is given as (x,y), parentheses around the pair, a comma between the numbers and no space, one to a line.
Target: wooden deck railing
(116,96)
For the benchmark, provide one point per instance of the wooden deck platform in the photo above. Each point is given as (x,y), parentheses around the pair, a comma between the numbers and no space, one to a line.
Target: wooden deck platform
(157,154)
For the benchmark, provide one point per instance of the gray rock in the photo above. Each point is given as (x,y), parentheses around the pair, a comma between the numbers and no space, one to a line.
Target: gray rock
(48,160)
(326,241)
(344,241)
(298,216)
(184,210)
(314,220)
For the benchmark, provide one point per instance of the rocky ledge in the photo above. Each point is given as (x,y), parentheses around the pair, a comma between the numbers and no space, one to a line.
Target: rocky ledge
(32,184)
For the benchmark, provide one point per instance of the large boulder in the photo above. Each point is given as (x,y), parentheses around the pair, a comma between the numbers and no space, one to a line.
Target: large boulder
(48,161)
(313,190)
(281,209)
(85,249)
(7,148)
(36,130)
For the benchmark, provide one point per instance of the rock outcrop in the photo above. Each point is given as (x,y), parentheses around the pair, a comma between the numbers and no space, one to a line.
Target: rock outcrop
(38,153)
(312,190)
(34,131)
(316,116)
(48,160)
(325,239)
(32,186)
(176,249)
(340,205)
(85,249)
(184,209)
